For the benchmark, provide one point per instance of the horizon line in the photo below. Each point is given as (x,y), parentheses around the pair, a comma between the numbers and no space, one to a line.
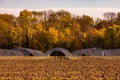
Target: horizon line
(92,12)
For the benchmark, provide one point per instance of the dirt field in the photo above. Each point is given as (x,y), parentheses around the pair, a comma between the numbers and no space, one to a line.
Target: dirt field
(80,68)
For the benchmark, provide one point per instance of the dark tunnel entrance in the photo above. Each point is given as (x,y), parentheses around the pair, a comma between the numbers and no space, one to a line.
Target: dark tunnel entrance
(30,54)
(83,54)
(57,53)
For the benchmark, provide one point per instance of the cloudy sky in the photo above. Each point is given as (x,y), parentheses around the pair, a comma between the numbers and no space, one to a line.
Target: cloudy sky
(32,4)
(94,8)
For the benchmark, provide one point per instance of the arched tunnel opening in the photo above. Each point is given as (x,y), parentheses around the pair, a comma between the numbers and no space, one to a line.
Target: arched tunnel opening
(57,53)
(30,54)
(84,54)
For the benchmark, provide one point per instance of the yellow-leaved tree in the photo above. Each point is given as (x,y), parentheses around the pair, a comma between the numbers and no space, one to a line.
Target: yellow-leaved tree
(52,36)
(16,36)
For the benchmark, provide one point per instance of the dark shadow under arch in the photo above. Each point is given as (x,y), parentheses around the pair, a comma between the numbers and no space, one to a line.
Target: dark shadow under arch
(57,53)
(83,54)
(31,54)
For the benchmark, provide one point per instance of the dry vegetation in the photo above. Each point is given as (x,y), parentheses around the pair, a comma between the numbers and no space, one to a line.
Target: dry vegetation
(84,68)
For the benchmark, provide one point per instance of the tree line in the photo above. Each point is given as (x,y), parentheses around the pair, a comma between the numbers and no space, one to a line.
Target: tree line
(43,30)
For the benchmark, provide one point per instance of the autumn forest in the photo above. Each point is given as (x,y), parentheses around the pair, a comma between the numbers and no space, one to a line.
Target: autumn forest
(49,29)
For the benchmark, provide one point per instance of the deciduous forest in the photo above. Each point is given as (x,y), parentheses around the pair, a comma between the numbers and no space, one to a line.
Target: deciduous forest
(43,30)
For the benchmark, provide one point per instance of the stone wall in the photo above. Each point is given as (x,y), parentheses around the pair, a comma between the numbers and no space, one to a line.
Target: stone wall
(30,52)
(20,52)
(4,52)
(97,52)
(82,52)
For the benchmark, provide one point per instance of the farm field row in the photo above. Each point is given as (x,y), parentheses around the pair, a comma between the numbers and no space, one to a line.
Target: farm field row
(90,68)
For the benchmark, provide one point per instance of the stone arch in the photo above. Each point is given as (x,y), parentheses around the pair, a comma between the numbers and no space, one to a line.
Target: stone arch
(30,52)
(14,53)
(64,51)
(8,52)
(83,52)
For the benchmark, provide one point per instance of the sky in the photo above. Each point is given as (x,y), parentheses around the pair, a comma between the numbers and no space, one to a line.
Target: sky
(32,4)
(94,8)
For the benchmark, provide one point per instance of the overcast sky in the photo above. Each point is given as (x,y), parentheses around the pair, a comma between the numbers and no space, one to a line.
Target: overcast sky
(31,4)
(93,8)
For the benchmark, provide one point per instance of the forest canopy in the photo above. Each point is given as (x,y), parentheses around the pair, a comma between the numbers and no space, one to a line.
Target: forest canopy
(43,30)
